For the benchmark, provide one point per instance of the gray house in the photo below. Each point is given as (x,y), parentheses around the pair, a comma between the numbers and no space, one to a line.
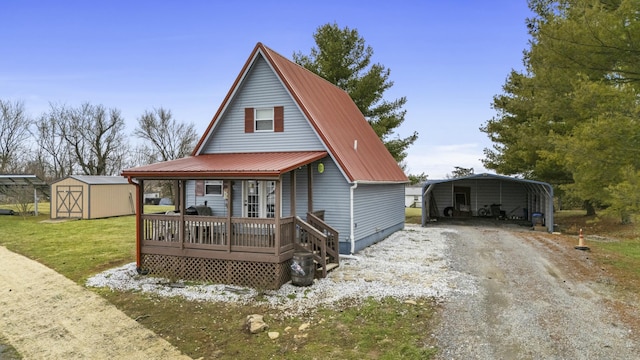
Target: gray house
(287,163)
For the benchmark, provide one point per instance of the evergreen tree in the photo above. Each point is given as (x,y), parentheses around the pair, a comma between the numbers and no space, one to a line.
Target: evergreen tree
(571,118)
(342,57)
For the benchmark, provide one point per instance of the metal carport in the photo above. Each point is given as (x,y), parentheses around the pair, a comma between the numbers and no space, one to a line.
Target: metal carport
(12,181)
(472,193)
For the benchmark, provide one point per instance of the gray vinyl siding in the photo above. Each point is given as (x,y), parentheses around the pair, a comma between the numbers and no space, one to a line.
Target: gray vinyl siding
(216,203)
(301,193)
(262,88)
(331,193)
(379,211)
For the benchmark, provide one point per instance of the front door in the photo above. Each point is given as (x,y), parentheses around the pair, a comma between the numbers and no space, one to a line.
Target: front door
(259,198)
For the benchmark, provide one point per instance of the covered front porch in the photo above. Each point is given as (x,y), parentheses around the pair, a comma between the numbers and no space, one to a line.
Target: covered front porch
(233,238)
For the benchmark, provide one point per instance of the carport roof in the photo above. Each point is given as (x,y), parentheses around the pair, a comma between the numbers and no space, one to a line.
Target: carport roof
(488,176)
(9,180)
(21,180)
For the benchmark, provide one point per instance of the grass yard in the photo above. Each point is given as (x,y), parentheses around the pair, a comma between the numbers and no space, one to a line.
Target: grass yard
(615,246)
(413,215)
(78,249)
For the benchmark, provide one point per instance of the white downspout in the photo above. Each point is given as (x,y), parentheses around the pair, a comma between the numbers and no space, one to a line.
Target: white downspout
(352,223)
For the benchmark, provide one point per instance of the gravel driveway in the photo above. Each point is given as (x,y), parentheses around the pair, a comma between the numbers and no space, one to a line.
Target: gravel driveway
(538,298)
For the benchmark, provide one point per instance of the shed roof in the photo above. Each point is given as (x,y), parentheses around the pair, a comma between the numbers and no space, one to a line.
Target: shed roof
(347,135)
(98,179)
(267,164)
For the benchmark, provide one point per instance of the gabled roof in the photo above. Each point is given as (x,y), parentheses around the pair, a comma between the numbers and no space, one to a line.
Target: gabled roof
(347,135)
(249,165)
(99,179)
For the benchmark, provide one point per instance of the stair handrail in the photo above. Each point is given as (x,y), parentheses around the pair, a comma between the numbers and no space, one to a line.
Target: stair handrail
(317,240)
(332,236)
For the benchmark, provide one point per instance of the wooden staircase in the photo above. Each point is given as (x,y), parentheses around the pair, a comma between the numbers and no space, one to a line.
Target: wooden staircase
(321,240)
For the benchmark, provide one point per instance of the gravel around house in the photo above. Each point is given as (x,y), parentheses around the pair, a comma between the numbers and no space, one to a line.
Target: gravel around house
(407,265)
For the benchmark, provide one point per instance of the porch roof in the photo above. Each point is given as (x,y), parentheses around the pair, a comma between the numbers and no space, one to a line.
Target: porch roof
(231,165)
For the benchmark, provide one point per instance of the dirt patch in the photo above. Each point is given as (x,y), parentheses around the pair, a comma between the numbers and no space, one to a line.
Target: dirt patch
(45,315)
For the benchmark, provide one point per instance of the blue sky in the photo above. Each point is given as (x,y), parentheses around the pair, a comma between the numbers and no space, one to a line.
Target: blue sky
(449,58)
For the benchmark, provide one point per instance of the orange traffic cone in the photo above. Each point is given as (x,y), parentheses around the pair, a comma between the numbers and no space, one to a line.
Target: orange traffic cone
(581,245)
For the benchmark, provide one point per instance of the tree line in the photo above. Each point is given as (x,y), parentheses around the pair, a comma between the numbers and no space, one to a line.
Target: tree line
(571,118)
(88,139)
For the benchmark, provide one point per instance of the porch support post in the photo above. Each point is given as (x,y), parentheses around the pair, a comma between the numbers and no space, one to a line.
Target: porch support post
(309,188)
(181,196)
(229,199)
(139,209)
(176,194)
(276,215)
(293,193)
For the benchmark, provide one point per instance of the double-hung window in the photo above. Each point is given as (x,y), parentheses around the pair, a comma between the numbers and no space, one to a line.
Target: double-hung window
(213,187)
(264,119)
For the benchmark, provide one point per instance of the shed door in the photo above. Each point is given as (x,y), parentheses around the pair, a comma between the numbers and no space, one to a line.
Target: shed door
(69,201)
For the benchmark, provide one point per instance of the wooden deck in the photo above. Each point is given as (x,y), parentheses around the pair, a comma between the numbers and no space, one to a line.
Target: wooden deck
(241,248)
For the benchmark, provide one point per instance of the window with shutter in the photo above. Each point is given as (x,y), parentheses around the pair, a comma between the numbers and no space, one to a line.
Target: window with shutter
(248,120)
(264,119)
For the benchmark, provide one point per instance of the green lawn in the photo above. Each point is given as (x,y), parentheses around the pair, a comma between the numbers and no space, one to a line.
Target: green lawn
(413,215)
(75,248)
(387,329)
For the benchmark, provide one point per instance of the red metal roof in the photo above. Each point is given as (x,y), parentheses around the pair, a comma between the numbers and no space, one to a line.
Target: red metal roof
(267,164)
(336,118)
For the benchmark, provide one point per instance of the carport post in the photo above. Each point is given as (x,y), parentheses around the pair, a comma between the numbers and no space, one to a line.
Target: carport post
(35,201)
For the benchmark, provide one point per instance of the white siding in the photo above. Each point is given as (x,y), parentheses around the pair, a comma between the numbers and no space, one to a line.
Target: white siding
(262,88)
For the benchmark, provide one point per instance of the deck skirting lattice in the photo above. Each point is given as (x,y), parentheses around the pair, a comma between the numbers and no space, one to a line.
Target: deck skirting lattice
(259,275)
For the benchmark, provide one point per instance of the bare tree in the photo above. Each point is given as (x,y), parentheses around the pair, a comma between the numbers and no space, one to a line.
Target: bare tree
(14,131)
(96,137)
(54,151)
(165,138)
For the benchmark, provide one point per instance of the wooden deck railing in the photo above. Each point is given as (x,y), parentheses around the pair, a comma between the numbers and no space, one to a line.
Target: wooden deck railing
(242,239)
(213,234)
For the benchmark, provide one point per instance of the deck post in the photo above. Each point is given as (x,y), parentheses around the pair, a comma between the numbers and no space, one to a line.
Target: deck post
(229,204)
(309,188)
(276,216)
(181,198)
(293,192)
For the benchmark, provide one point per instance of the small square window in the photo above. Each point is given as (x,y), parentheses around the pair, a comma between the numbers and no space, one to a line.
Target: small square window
(264,119)
(213,187)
